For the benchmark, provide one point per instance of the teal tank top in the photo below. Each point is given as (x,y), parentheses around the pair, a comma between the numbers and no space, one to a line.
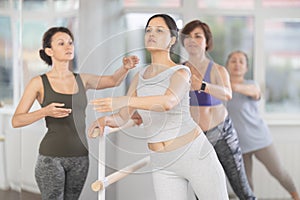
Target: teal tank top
(65,136)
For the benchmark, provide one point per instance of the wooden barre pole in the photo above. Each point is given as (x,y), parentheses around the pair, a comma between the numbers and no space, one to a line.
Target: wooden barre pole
(114,177)
(101,165)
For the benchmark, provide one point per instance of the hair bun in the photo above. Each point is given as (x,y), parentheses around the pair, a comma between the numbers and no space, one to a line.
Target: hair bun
(45,57)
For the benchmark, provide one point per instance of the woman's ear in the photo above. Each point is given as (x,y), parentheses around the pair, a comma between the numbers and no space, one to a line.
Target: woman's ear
(172,42)
(48,51)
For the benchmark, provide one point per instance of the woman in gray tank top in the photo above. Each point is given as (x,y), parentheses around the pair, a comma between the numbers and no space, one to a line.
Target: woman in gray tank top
(63,163)
(254,136)
(179,151)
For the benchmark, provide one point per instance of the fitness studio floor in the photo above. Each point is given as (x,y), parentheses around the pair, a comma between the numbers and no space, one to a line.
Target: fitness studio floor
(13,195)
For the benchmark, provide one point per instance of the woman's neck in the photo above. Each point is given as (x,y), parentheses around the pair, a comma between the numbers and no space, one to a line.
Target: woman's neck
(60,70)
(198,61)
(161,61)
(237,79)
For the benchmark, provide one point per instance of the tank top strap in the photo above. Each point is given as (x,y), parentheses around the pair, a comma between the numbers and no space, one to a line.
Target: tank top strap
(208,70)
(47,87)
(178,67)
(46,82)
(79,82)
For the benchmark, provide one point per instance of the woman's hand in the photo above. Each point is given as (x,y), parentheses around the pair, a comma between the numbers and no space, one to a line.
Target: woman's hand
(97,128)
(110,104)
(55,110)
(130,62)
(137,118)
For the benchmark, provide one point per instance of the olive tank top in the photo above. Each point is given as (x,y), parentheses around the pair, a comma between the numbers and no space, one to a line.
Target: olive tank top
(65,136)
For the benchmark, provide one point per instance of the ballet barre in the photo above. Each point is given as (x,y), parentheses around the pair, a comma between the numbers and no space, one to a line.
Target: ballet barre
(114,177)
(103,182)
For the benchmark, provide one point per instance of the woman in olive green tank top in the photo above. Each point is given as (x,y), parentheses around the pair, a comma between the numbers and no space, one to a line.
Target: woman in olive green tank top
(62,163)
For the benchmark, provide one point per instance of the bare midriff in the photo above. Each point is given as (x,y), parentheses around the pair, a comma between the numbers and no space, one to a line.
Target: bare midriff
(173,144)
(208,117)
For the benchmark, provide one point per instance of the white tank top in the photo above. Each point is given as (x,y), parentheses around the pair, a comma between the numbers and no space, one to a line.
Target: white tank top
(162,126)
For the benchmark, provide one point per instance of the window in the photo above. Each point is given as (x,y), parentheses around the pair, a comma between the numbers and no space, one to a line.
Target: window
(32,5)
(6,60)
(281,3)
(226,4)
(153,3)
(282,61)
(4,4)
(34,24)
(230,33)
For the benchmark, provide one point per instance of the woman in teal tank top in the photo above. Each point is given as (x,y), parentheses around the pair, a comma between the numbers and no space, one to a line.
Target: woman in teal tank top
(252,130)
(62,164)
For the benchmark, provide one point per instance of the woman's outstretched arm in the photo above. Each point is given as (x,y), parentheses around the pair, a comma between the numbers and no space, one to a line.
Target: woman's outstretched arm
(179,85)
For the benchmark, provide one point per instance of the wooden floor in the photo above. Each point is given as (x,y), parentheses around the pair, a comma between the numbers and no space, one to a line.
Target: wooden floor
(23,195)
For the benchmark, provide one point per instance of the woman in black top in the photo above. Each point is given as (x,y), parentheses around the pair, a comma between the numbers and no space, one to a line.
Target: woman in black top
(62,164)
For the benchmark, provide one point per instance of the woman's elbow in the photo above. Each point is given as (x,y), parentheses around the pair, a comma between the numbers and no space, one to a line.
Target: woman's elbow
(14,123)
(112,82)
(117,83)
(170,104)
(256,96)
(228,96)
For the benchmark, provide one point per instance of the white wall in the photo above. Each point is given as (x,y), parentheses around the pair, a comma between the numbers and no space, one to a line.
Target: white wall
(101,48)
(286,140)
(19,152)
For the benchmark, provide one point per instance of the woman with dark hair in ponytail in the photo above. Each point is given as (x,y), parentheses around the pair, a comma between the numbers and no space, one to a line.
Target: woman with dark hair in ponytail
(62,164)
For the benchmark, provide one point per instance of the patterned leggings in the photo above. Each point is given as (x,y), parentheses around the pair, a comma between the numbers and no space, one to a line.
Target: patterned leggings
(226,144)
(61,178)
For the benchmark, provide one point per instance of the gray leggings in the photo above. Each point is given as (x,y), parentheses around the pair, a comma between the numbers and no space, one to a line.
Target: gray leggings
(270,159)
(195,163)
(225,141)
(61,178)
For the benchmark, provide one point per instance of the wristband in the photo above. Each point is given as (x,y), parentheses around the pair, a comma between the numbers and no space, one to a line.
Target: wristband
(203,86)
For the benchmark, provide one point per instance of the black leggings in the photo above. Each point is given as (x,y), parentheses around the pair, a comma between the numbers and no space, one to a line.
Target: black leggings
(226,144)
(61,178)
